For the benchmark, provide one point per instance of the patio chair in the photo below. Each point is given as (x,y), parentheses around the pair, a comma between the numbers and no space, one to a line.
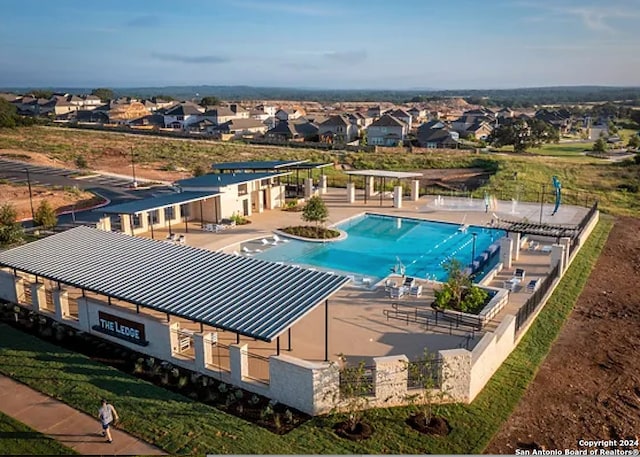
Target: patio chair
(533,285)
(396,292)
(182,239)
(173,237)
(519,274)
(416,291)
(409,282)
(533,246)
(208,227)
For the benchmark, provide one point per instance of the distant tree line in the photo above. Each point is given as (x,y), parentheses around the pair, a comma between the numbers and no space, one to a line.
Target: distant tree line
(9,117)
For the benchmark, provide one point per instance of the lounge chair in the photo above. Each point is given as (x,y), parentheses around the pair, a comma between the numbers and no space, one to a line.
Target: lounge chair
(277,239)
(246,250)
(533,285)
(265,242)
(519,273)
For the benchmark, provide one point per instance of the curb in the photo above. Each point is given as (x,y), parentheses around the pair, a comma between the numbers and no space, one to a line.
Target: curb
(63,213)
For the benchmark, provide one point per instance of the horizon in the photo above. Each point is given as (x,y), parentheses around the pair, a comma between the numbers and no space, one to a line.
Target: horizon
(321,45)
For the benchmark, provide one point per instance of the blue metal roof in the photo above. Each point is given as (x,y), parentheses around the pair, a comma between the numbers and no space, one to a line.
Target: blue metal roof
(256,165)
(152,203)
(248,296)
(217,180)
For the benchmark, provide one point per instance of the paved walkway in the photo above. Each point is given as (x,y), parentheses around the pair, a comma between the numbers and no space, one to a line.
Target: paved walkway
(68,426)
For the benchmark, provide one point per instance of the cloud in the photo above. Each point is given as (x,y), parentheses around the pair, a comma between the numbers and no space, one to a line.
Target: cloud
(300,66)
(594,18)
(168,57)
(145,21)
(306,9)
(350,57)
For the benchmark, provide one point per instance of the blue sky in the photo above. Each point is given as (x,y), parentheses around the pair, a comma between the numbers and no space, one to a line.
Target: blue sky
(401,44)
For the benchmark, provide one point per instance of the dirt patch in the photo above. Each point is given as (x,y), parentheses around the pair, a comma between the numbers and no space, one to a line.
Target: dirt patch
(60,199)
(435,426)
(361,431)
(455,178)
(589,385)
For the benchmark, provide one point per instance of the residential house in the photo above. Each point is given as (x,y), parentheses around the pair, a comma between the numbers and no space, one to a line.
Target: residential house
(149,122)
(435,134)
(289,115)
(92,116)
(362,120)
(560,119)
(387,131)
(239,111)
(338,129)
(269,110)
(479,130)
(505,113)
(293,131)
(473,125)
(403,116)
(374,112)
(121,112)
(220,115)
(238,128)
(417,114)
(182,114)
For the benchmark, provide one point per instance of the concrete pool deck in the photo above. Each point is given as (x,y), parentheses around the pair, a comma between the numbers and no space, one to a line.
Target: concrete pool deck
(358,327)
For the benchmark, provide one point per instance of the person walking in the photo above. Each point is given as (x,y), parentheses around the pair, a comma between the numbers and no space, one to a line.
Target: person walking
(107,414)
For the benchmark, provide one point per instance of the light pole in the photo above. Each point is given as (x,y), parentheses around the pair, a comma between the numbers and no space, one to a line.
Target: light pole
(134,184)
(33,213)
(542,201)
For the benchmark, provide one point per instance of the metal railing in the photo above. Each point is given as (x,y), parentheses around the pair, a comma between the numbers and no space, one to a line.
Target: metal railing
(532,304)
(258,367)
(358,381)
(435,320)
(424,373)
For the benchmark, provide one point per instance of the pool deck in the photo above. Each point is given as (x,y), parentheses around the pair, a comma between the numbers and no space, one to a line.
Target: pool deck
(358,328)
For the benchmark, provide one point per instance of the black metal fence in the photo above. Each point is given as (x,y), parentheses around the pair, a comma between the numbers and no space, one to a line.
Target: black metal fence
(358,381)
(536,298)
(575,241)
(425,373)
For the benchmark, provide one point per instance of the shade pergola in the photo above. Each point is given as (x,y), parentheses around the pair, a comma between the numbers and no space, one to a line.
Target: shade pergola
(250,297)
(382,175)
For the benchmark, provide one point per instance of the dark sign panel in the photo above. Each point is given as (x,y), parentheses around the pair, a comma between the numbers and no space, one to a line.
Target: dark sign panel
(121,328)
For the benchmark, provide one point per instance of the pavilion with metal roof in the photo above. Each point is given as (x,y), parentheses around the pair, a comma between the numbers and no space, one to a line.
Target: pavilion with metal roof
(159,202)
(250,297)
(382,175)
(263,165)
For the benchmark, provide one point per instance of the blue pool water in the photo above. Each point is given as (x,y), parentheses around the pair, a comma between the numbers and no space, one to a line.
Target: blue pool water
(377,244)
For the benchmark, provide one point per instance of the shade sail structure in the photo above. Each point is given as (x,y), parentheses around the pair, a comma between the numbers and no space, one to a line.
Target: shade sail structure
(385,174)
(217,180)
(248,296)
(256,165)
(153,203)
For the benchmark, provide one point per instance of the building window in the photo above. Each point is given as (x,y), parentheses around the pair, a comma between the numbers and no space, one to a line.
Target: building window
(135,221)
(184,210)
(168,213)
(242,189)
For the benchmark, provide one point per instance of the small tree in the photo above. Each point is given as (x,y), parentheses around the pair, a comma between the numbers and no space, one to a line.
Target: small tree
(81,162)
(634,142)
(599,146)
(209,101)
(459,292)
(45,216)
(315,211)
(103,93)
(10,230)
(199,171)
(355,387)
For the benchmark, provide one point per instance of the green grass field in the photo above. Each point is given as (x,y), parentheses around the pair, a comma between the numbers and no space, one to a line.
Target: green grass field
(18,439)
(181,426)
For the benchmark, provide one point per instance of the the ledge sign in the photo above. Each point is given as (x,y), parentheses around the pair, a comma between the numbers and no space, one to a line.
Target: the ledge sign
(121,328)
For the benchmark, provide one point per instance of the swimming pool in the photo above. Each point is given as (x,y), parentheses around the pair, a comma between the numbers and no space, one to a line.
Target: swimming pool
(376,245)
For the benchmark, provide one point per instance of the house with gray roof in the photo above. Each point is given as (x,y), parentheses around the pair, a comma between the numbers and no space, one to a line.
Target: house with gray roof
(387,131)
(435,134)
(338,129)
(403,116)
(293,131)
(181,115)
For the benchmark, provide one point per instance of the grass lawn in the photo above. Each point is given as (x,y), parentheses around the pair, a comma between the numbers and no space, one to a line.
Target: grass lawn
(18,439)
(179,425)
(562,149)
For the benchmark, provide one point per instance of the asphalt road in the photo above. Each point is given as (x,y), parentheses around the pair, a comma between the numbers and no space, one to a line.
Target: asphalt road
(115,189)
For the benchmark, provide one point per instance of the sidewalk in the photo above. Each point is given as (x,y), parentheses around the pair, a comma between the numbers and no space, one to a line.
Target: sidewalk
(68,426)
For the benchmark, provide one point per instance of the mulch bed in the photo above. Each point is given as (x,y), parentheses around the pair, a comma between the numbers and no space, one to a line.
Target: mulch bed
(435,426)
(361,431)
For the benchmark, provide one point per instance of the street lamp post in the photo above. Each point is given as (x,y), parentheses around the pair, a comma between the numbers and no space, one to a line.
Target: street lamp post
(542,201)
(33,213)
(133,169)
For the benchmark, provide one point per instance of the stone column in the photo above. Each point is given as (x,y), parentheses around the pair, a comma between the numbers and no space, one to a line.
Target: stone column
(516,244)
(323,184)
(308,188)
(351,192)
(38,297)
(161,219)
(506,252)
(61,303)
(369,186)
(558,256)
(239,361)
(397,197)
(456,374)
(415,190)
(125,223)
(566,242)
(391,377)
(202,348)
